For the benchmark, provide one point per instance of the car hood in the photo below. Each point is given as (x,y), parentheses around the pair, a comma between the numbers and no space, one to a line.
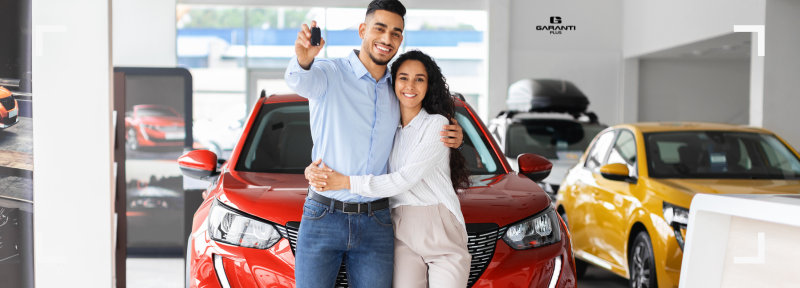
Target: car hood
(162,120)
(500,199)
(690,187)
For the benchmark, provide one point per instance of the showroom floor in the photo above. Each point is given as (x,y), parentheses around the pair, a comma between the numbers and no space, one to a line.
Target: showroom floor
(168,273)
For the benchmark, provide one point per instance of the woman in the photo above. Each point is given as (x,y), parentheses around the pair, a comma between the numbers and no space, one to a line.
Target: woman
(423,180)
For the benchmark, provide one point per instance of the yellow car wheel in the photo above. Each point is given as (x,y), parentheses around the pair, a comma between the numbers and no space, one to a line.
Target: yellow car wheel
(641,265)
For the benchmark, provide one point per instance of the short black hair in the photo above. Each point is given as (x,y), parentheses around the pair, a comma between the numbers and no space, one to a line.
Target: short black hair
(393,6)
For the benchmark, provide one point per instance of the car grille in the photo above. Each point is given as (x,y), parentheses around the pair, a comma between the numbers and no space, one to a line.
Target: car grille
(8,103)
(10,120)
(482,241)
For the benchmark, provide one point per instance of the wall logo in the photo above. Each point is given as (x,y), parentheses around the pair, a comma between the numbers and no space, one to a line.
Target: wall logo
(555,29)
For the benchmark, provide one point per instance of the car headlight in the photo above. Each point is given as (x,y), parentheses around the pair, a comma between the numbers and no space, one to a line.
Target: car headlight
(537,231)
(678,219)
(232,227)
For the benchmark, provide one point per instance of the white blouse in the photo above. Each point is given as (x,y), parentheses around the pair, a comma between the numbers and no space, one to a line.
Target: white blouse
(419,168)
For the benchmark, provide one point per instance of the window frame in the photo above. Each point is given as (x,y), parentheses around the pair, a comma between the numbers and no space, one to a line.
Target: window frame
(605,155)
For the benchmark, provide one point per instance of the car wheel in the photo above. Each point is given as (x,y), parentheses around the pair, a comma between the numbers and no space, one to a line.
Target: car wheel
(641,263)
(133,140)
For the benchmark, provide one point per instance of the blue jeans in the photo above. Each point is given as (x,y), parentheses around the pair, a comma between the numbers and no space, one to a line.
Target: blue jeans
(365,242)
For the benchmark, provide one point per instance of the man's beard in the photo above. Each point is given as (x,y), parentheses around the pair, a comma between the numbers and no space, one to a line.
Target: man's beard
(379,62)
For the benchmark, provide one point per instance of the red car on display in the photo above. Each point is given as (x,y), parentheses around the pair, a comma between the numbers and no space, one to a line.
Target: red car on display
(8,109)
(245,231)
(153,125)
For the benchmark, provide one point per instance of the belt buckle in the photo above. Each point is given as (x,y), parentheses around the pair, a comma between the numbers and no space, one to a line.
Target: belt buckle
(344,207)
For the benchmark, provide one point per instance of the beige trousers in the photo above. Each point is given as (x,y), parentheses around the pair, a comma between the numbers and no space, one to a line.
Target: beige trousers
(430,248)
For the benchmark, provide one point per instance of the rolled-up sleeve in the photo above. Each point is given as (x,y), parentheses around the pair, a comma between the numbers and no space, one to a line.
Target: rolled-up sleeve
(421,161)
(311,83)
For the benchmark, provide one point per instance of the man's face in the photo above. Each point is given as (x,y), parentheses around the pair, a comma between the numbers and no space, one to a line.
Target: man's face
(382,33)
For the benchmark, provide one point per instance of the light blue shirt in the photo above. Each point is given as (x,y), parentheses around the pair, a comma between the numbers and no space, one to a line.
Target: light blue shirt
(353,117)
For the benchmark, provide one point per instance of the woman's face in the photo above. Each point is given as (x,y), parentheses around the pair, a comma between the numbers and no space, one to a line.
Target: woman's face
(411,83)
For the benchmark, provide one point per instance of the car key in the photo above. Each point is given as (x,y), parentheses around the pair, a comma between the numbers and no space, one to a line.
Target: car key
(315,36)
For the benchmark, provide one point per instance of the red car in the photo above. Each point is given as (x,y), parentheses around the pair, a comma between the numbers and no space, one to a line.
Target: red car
(8,109)
(244,233)
(153,125)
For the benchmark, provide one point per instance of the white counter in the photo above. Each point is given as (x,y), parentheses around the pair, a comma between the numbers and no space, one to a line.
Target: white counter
(742,241)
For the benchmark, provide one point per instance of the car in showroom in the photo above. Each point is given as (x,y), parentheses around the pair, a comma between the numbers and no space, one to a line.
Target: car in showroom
(244,233)
(627,201)
(549,118)
(152,126)
(9,110)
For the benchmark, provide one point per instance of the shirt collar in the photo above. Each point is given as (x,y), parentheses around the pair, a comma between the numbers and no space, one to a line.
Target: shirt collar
(418,120)
(360,70)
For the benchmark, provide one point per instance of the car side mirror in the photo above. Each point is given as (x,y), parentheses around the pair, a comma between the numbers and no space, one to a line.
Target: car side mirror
(534,166)
(616,172)
(198,164)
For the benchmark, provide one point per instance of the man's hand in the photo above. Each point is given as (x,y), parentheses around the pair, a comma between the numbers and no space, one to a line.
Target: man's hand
(302,47)
(452,136)
(316,174)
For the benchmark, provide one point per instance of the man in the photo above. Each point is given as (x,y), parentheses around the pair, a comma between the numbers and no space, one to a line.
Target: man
(354,116)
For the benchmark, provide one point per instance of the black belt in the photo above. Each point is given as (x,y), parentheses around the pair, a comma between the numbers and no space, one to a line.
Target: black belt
(351,207)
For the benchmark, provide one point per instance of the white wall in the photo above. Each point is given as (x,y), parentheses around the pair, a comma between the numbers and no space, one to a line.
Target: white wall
(144,33)
(782,70)
(694,90)
(590,56)
(73,177)
(653,25)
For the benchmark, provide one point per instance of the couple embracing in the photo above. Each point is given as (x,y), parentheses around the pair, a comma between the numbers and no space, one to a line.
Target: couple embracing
(383,192)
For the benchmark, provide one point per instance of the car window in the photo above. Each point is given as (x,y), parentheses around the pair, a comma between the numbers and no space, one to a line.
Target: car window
(624,151)
(280,142)
(481,158)
(719,154)
(550,138)
(595,158)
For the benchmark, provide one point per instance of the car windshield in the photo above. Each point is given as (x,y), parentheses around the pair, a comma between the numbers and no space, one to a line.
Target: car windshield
(280,142)
(550,138)
(719,154)
(155,111)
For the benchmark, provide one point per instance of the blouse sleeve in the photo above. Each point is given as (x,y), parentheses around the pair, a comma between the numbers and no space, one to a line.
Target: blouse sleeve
(421,161)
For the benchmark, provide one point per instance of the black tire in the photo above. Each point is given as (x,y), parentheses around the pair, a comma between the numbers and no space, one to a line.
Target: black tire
(580,268)
(641,263)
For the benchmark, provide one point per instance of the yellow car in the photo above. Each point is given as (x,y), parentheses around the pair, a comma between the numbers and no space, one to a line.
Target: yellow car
(626,202)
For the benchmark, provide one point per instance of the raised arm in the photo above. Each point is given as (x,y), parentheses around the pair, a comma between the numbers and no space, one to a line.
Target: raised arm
(306,78)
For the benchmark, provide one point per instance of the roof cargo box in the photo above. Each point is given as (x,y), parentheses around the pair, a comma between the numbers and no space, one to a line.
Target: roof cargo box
(546,95)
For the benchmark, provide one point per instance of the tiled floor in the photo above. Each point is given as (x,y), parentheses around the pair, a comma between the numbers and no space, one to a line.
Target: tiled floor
(168,273)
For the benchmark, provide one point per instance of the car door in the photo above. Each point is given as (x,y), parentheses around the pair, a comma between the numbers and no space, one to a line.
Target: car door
(581,218)
(614,201)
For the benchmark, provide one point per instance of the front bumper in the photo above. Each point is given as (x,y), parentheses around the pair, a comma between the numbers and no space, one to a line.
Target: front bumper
(274,267)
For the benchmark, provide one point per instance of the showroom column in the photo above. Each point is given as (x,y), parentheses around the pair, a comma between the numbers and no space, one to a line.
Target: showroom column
(73,163)
(781,67)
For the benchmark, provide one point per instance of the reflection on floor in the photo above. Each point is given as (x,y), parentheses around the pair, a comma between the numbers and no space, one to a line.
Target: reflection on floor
(168,273)
(155,272)
(597,277)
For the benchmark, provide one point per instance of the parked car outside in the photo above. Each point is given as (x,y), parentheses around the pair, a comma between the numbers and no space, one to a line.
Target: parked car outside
(627,202)
(153,125)
(246,229)
(548,118)
(9,110)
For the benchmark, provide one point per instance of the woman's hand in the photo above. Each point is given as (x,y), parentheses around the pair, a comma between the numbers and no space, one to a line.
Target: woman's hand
(452,136)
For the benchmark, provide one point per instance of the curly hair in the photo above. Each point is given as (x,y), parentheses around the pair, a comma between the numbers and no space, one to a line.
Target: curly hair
(438,100)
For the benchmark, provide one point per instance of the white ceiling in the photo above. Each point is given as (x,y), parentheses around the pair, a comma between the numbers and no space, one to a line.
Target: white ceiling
(729,46)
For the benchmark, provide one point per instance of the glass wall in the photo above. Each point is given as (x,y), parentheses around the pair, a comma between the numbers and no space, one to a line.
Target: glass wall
(221,45)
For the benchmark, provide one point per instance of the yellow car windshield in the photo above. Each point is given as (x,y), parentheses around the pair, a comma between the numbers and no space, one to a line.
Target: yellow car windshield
(719,154)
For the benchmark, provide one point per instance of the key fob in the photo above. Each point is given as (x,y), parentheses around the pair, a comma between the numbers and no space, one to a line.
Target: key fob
(316,35)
